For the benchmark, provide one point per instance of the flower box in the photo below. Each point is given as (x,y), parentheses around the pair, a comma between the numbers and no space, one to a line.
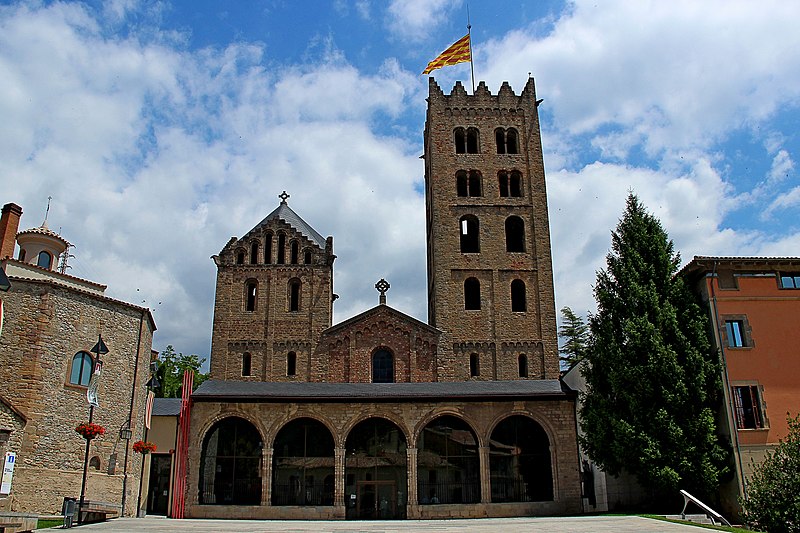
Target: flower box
(143,447)
(89,431)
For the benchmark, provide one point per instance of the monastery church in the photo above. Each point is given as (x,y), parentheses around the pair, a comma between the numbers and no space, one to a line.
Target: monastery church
(382,415)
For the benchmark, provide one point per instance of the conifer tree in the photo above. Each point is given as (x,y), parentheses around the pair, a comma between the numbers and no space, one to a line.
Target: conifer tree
(653,380)
(575,333)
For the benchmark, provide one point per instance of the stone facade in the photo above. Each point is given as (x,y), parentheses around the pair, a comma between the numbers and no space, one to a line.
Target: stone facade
(383,416)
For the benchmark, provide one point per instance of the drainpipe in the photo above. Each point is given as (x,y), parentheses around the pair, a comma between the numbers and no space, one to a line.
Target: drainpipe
(726,386)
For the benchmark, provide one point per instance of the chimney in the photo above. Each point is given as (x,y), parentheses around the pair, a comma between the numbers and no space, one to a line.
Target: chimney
(9,225)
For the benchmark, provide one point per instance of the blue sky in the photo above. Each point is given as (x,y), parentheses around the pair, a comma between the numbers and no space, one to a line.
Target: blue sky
(163,128)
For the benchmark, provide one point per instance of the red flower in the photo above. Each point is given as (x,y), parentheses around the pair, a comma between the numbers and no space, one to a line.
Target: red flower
(89,430)
(143,447)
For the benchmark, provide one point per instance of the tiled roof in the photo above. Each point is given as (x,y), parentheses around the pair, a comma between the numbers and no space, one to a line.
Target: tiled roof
(166,406)
(307,391)
(285,213)
(702,263)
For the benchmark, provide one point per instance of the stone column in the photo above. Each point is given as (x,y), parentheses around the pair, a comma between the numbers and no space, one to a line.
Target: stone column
(338,474)
(266,479)
(486,486)
(412,499)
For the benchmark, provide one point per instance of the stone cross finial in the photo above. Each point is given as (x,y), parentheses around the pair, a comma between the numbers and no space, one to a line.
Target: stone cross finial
(283,196)
(382,287)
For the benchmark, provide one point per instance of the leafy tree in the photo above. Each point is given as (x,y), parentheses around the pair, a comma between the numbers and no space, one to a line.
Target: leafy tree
(171,366)
(773,494)
(576,332)
(653,379)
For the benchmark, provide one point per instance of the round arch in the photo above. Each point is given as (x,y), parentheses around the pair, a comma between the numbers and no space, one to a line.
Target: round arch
(303,463)
(230,463)
(520,460)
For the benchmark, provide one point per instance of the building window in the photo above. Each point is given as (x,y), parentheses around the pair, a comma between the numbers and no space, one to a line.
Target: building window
(472,140)
(81,370)
(281,248)
(515,234)
(474,365)
(466,142)
(295,252)
(240,257)
(472,294)
(470,239)
(518,299)
(510,183)
(291,364)
(507,141)
(254,253)
(734,330)
(231,464)
(448,463)
(307,257)
(523,366)
(474,184)
(44,260)
(747,400)
(294,295)
(246,364)
(268,249)
(790,281)
(303,464)
(382,366)
(252,292)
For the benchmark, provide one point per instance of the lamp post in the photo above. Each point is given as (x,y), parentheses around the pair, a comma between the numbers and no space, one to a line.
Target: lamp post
(99,349)
(125,434)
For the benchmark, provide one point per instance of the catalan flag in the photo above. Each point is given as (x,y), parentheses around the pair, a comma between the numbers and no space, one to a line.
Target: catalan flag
(459,52)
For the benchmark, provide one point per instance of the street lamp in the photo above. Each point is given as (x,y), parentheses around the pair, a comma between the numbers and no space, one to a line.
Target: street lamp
(99,349)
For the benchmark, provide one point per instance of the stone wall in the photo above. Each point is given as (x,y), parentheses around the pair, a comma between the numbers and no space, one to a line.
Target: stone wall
(45,325)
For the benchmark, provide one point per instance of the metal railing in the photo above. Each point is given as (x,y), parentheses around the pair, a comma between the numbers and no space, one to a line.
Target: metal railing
(302,494)
(449,492)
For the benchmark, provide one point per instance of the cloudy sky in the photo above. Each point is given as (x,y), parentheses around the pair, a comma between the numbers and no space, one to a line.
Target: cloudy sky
(162,128)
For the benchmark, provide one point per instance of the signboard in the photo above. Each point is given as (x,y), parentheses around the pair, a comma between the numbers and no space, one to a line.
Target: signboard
(8,473)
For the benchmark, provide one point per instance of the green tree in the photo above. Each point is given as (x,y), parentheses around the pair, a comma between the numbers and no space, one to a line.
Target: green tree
(171,366)
(773,494)
(653,379)
(575,333)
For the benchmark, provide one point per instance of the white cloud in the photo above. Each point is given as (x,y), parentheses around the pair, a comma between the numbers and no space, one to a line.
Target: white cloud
(415,20)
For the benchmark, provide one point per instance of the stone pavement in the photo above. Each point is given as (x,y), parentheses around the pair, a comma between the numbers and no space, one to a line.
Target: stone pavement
(581,524)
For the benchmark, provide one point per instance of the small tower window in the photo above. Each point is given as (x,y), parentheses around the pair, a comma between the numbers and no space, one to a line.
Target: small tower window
(307,257)
(515,234)
(252,292)
(515,184)
(295,252)
(240,257)
(246,364)
(460,140)
(472,140)
(470,239)
(281,248)
(474,365)
(474,183)
(294,295)
(382,366)
(523,366)
(507,141)
(254,253)
(500,139)
(268,250)
(518,298)
(291,364)
(472,294)
(44,260)
(510,183)
(81,370)
(21,255)
(461,183)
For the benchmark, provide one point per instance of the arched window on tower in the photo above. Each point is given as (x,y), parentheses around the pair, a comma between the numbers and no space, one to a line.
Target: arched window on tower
(518,299)
(474,365)
(523,366)
(239,257)
(500,140)
(254,253)
(460,139)
(470,235)
(461,183)
(474,183)
(307,257)
(472,294)
(281,248)
(295,252)
(507,141)
(515,184)
(44,260)
(251,292)
(291,364)
(472,140)
(268,249)
(294,295)
(382,366)
(515,234)
(246,364)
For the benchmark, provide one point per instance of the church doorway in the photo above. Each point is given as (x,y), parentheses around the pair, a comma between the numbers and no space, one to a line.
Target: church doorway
(376,471)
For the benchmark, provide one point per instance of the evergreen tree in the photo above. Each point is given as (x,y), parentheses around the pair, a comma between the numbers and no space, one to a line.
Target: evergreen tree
(576,334)
(171,366)
(653,378)
(773,493)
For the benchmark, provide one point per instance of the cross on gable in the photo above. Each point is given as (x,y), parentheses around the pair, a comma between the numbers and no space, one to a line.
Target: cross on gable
(283,196)
(382,287)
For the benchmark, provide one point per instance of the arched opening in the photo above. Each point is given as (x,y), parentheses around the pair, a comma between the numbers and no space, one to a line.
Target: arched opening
(281,248)
(515,184)
(474,365)
(448,465)
(94,462)
(461,183)
(518,299)
(382,366)
(240,257)
(246,364)
(500,140)
(515,234)
(472,294)
(474,183)
(251,288)
(268,249)
(254,253)
(460,139)
(375,471)
(307,257)
(523,366)
(470,239)
(472,140)
(303,464)
(44,260)
(291,364)
(230,464)
(502,181)
(295,252)
(294,295)
(519,462)
(512,144)
(81,370)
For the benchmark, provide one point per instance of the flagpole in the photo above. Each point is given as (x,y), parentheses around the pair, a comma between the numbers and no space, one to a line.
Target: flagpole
(471,64)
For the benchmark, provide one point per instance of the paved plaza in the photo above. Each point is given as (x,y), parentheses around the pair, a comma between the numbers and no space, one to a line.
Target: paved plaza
(583,524)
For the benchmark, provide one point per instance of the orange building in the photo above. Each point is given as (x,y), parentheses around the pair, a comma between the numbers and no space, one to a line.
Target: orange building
(754,303)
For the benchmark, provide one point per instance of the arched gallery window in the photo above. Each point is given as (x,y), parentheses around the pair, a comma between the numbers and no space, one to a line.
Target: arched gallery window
(268,249)
(448,467)
(281,248)
(81,370)
(295,252)
(382,366)
(519,461)
(230,464)
(303,464)
(507,141)
(510,183)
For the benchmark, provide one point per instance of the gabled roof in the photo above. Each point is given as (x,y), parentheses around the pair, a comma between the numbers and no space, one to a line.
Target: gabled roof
(702,263)
(379,309)
(284,212)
